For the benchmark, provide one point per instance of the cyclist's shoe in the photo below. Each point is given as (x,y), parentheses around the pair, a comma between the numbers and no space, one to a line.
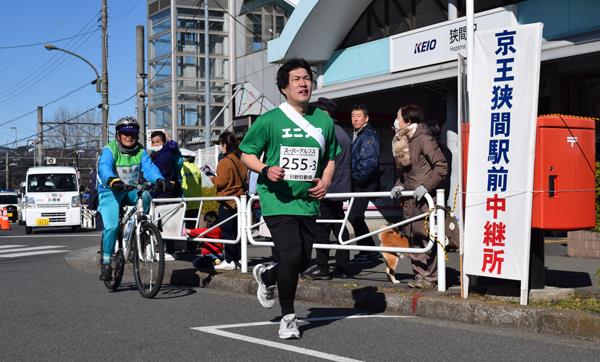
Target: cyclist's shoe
(265,294)
(288,327)
(106,273)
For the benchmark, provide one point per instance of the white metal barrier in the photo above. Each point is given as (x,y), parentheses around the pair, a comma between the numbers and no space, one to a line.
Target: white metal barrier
(245,225)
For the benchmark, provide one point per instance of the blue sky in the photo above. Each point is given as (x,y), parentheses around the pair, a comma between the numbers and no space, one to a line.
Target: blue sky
(32,76)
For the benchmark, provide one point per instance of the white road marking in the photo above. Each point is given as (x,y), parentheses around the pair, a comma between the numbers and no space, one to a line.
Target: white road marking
(32,248)
(53,235)
(10,246)
(16,255)
(217,330)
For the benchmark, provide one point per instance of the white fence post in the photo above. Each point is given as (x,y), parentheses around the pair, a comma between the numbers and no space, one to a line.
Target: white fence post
(441,237)
(243,233)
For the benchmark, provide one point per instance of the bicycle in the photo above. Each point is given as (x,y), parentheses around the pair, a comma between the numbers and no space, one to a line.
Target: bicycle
(147,253)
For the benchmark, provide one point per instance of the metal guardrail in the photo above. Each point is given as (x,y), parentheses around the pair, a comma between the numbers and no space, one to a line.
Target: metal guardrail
(245,226)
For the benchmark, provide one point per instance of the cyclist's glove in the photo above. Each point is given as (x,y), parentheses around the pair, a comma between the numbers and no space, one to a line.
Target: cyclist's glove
(116,184)
(162,185)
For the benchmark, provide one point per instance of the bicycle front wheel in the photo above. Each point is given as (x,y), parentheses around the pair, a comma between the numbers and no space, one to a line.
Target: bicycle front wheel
(149,261)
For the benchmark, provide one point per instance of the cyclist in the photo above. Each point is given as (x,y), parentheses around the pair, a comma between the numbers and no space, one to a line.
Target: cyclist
(122,162)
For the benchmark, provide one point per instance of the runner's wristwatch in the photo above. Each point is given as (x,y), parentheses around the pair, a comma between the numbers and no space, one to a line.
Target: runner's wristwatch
(265,171)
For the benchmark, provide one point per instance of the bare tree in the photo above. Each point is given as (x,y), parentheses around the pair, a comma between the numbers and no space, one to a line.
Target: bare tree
(73,131)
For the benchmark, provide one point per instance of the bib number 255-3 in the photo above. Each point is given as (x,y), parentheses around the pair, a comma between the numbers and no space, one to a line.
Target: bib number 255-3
(299,163)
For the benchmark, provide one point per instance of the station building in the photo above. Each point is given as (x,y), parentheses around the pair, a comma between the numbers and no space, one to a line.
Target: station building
(382,53)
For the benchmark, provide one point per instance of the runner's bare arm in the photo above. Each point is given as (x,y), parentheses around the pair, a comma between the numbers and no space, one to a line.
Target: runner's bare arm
(322,184)
(274,174)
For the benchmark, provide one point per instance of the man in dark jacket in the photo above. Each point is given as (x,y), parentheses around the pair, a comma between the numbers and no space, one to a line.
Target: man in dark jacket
(365,175)
(166,156)
(333,209)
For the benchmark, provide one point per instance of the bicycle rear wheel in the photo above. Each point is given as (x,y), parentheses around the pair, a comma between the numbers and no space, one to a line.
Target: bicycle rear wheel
(149,261)
(118,265)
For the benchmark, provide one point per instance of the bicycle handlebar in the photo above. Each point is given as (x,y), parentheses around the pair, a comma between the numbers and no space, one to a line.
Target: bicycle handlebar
(146,186)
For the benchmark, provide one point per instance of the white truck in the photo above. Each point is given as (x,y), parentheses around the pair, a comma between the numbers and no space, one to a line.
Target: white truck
(52,198)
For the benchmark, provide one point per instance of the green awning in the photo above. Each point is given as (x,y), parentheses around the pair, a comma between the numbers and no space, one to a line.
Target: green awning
(251,5)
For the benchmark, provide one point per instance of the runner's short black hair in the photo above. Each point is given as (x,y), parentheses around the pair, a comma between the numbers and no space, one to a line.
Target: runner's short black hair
(283,73)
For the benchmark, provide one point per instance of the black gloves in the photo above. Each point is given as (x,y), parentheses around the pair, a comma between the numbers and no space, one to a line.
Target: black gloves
(163,185)
(116,184)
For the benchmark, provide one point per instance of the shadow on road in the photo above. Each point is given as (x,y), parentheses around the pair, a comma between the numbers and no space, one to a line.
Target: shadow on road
(166,291)
(328,312)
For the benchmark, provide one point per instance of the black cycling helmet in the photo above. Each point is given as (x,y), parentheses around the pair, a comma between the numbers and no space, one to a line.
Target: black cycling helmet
(127,125)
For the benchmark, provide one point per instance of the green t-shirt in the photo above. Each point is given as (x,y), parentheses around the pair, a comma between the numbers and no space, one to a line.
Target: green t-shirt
(274,130)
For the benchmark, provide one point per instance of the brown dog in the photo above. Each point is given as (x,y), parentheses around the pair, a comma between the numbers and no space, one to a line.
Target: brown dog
(391,238)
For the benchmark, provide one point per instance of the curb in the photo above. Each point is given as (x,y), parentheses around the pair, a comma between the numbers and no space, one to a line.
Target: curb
(429,304)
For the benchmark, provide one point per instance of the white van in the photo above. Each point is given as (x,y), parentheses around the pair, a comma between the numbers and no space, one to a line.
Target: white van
(52,198)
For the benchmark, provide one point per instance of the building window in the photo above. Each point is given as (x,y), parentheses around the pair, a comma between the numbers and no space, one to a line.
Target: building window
(160,22)
(160,117)
(159,46)
(262,25)
(160,69)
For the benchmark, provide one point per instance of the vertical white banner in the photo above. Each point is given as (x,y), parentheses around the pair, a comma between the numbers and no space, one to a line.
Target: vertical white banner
(503,102)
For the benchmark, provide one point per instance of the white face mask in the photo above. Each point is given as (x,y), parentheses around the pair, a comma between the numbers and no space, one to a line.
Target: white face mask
(396,125)
(155,148)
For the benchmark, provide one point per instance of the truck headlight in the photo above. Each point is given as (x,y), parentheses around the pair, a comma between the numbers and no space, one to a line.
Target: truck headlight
(75,201)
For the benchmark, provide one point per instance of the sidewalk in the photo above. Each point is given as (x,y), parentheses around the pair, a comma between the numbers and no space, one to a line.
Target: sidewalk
(371,291)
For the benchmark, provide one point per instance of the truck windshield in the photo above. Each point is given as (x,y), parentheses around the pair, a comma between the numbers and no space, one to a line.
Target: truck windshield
(8,199)
(52,182)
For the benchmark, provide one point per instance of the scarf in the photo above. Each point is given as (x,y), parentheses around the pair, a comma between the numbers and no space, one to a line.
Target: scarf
(128,151)
(400,148)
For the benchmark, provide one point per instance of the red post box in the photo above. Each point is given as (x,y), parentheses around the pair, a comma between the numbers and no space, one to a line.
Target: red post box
(564,195)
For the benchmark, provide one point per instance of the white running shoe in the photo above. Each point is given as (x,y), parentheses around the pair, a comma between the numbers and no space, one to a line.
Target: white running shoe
(288,327)
(226,266)
(265,295)
(169,257)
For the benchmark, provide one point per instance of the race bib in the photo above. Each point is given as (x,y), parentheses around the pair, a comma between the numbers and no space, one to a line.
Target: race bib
(299,163)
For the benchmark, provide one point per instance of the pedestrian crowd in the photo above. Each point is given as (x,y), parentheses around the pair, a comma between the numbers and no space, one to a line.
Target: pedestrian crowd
(292,155)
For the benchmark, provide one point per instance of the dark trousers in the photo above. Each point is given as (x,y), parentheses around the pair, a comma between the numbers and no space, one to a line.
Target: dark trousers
(293,237)
(357,214)
(233,252)
(331,209)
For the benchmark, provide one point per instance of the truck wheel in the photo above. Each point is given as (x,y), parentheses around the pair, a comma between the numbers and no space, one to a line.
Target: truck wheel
(28,230)
(76,228)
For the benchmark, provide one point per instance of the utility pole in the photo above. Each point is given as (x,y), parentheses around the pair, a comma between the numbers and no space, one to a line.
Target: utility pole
(140,79)
(207,129)
(232,58)
(40,141)
(6,170)
(104,73)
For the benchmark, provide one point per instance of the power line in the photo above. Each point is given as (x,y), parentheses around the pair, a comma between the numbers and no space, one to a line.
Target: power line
(51,128)
(45,42)
(43,68)
(56,63)
(127,12)
(47,104)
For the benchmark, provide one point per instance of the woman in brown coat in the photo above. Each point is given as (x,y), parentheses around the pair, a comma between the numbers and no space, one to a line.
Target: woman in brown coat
(424,168)
(229,181)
